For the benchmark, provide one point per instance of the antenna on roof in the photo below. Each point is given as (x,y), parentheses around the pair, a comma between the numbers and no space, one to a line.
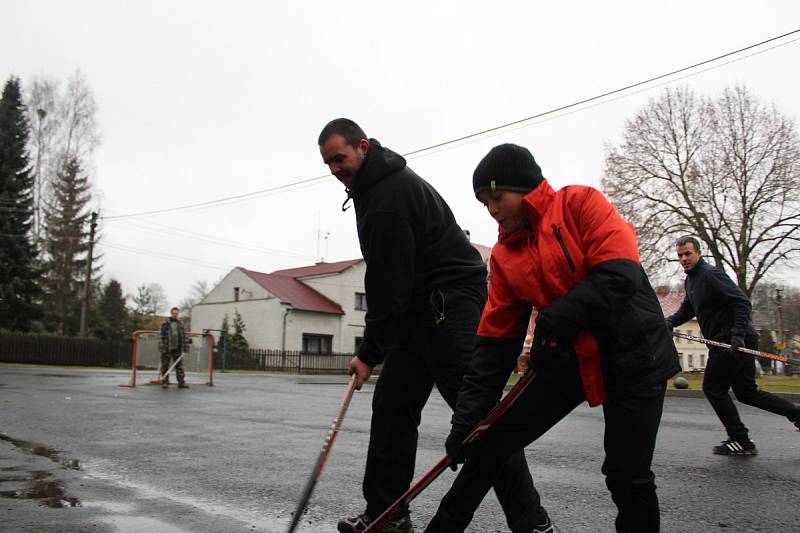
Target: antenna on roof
(321,235)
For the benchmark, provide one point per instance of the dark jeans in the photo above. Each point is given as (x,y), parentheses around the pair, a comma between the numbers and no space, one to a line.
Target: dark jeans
(439,341)
(632,421)
(726,370)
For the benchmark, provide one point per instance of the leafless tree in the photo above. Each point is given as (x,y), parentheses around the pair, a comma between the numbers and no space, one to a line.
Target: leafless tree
(197,292)
(63,128)
(725,170)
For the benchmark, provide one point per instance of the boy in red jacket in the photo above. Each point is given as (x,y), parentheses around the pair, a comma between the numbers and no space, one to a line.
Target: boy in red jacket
(599,336)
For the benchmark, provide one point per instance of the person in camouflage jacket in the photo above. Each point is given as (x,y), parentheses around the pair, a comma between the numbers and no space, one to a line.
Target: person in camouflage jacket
(173,341)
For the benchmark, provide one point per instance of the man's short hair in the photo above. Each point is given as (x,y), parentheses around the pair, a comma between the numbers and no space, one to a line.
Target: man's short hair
(689,240)
(345,127)
(175,309)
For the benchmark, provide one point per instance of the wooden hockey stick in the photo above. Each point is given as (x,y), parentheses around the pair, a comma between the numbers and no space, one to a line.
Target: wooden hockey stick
(444,462)
(161,377)
(323,457)
(757,353)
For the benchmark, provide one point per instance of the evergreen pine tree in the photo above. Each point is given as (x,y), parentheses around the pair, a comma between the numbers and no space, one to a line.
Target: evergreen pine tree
(66,246)
(111,316)
(18,255)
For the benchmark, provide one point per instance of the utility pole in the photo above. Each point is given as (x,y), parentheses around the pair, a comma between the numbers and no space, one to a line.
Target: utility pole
(781,338)
(88,280)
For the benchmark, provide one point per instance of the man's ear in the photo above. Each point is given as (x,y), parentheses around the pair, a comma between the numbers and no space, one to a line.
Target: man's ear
(363,145)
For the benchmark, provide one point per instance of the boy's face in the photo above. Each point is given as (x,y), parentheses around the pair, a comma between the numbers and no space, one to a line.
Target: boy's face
(506,208)
(688,256)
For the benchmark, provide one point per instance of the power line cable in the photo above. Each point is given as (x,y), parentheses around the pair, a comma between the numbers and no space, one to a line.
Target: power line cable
(159,255)
(308,181)
(149,227)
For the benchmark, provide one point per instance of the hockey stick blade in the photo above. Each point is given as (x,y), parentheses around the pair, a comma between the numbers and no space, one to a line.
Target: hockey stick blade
(479,429)
(749,351)
(323,457)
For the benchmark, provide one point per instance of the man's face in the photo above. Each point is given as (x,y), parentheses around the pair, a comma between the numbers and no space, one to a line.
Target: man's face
(174,313)
(342,159)
(688,256)
(506,208)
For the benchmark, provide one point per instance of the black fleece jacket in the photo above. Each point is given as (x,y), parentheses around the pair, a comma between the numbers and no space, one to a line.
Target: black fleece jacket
(721,308)
(411,243)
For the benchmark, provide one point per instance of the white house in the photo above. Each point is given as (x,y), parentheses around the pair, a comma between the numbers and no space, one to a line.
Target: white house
(314,309)
(692,354)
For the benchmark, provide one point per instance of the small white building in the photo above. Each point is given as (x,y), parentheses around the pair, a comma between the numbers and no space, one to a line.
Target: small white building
(314,309)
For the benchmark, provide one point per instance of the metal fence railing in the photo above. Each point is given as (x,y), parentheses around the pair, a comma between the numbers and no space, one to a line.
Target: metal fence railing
(296,361)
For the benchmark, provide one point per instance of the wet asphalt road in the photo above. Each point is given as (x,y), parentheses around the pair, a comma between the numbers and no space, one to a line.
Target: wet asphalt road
(78,453)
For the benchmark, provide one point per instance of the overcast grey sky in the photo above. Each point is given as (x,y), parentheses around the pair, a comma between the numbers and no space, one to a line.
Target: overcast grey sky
(199,100)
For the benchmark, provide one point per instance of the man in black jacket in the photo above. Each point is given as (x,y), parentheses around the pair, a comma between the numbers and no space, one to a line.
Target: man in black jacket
(723,312)
(426,288)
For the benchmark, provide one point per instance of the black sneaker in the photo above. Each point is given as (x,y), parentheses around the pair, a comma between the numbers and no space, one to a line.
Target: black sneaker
(183,385)
(736,447)
(165,384)
(359,523)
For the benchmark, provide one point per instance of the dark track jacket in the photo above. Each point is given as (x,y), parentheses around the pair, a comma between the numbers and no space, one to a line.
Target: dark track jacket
(163,341)
(578,263)
(721,308)
(411,243)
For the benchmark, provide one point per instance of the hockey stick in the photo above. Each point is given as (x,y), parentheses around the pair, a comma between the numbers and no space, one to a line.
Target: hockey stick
(323,457)
(161,377)
(444,462)
(757,353)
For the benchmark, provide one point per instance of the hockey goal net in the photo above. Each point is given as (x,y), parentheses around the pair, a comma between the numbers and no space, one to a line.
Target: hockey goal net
(198,361)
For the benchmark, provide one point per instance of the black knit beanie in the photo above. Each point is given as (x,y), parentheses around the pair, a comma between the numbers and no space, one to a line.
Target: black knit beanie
(508,167)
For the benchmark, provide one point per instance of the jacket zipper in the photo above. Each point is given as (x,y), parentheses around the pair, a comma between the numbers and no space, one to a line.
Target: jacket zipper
(557,231)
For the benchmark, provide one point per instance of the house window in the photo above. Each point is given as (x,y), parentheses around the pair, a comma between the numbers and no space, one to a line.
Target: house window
(691,361)
(317,344)
(359,340)
(236,294)
(361,301)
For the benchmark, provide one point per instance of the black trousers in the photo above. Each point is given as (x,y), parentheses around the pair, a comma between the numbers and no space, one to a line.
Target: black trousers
(631,425)
(439,341)
(737,371)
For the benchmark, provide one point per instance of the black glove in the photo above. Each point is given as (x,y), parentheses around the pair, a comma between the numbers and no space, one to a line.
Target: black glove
(548,359)
(455,450)
(737,342)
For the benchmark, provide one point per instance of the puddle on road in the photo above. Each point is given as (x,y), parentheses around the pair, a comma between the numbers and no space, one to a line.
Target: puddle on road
(41,486)
(42,451)
(38,484)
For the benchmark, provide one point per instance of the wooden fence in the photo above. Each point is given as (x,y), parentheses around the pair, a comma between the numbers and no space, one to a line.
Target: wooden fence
(50,350)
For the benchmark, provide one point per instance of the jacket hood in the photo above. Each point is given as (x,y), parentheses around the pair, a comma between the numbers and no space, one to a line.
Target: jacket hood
(379,163)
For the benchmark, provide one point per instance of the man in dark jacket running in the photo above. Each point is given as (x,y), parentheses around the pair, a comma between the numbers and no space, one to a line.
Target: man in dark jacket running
(724,315)
(425,287)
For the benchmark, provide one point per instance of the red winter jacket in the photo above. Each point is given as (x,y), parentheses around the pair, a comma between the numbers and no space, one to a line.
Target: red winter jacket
(579,262)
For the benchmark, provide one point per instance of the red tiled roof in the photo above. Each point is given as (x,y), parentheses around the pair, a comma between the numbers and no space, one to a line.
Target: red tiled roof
(670,300)
(294,292)
(319,269)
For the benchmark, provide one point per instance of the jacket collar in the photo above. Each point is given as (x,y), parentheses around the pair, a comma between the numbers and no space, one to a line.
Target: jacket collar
(535,204)
(379,163)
